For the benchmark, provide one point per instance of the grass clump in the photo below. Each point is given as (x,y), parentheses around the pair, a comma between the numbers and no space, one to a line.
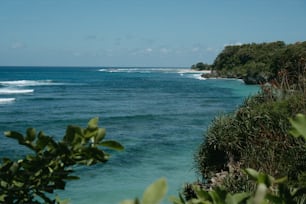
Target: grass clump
(255,136)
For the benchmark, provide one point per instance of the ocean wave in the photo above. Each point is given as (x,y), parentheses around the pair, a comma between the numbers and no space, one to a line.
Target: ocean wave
(28,83)
(15,91)
(131,70)
(6,100)
(150,70)
(194,76)
(191,71)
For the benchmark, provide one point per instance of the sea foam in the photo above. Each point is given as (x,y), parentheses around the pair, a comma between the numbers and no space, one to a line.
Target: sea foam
(6,100)
(15,91)
(27,83)
(133,70)
(149,70)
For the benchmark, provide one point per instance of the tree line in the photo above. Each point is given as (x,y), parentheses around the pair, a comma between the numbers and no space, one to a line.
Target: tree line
(257,63)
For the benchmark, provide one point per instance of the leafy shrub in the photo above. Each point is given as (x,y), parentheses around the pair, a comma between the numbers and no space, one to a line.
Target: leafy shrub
(267,190)
(255,136)
(32,178)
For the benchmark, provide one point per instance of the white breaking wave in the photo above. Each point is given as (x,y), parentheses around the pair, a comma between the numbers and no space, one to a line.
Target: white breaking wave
(154,70)
(28,83)
(148,70)
(132,70)
(194,76)
(6,100)
(190,71)
(15,91)
(199,77)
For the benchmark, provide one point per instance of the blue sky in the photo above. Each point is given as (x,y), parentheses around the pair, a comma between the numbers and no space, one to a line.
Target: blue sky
(140,32)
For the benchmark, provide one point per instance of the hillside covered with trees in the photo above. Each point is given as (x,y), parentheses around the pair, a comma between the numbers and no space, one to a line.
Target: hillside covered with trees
(257,63)
(258,134)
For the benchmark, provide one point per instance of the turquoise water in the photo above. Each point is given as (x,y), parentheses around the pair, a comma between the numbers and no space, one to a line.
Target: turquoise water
(158,114)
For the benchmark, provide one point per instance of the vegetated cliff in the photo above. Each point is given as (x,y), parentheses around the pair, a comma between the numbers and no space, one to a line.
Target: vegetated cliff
(257,135)
(257,63)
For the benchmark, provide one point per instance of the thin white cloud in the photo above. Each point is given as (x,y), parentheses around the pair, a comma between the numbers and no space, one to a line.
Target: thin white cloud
(148,50)
(195,49)
(165,50)
(141,51)
(18,45)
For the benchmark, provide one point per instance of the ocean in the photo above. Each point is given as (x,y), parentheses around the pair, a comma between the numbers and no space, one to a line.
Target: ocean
(160,115)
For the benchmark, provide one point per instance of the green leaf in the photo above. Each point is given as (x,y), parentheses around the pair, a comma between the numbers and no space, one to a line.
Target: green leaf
(4,184)
(93,123)
(237,198)
(2,197)
(129,202)
(298,125)
(14,167)
(31,134)
(71,133)
(112,144)
(280,180)
(181,198)
(265,179)
(202,194)
(18,184)
(252,173)
(274,198)
(215,197)
(15,135)
(155,192)
(100,135)
(260,194)
(300,192)
(42,140)
(90,133)
(175,200)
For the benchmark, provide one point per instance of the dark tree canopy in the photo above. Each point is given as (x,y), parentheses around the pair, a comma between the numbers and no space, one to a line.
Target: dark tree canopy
(259,63)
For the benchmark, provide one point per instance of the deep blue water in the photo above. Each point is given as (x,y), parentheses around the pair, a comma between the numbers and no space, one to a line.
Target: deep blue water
(158,114)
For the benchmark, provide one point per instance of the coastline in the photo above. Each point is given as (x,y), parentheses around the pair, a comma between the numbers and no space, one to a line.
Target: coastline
(248,80)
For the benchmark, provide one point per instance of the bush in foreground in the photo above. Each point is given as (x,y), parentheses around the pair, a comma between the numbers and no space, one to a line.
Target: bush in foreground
(32,178)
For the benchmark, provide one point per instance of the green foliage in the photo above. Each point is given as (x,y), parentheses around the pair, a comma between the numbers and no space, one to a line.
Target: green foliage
(49,166)
(247,58)
(259,63)
(299,126)
(201,66)
(153,194)
(268,189)
(255,136)
(292,62)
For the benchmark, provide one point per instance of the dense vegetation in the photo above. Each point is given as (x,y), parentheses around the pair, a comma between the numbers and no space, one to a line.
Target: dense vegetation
(256,135)
(201,66)
(33,178)
(258,63)
(268,189)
